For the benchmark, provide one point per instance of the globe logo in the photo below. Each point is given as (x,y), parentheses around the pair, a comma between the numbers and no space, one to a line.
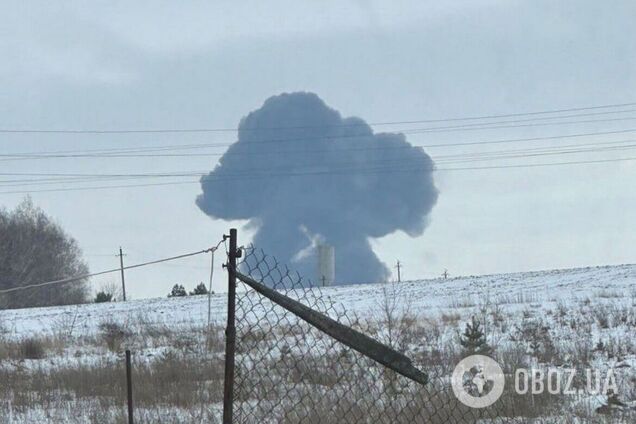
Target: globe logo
(478,381)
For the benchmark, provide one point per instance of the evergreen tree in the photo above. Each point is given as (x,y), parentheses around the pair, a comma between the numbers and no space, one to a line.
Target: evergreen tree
(178,291)
(199,289)
(102,297)
(473,340)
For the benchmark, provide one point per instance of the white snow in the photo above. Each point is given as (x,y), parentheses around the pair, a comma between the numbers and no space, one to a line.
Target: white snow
(425,296)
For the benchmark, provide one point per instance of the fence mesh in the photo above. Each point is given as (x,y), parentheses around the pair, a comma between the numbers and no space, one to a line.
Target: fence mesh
(288,371)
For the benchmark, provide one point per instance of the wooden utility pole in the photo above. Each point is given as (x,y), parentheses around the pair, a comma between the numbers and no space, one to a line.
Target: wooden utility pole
(399,267)
(123,280)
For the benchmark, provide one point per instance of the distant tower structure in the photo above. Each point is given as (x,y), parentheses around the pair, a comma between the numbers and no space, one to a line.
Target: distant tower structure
(399,269)
(326,265)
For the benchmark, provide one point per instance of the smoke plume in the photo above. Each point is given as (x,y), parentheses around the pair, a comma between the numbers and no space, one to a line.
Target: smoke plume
(302,174)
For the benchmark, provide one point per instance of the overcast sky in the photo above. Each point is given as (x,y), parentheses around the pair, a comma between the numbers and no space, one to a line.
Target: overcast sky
(138,65)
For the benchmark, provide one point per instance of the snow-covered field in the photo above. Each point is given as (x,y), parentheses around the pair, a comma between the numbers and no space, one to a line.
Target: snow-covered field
(560,318)
(519,290)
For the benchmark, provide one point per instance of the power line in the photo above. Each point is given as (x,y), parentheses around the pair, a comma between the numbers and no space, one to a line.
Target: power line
(561,147)
(287,172)
(200,130)
(474,127)
(110,271)
(447,159)
(122,153)
(509,115)
(538,165)
(372,171)
(518,140)
(529,154)
(465,127)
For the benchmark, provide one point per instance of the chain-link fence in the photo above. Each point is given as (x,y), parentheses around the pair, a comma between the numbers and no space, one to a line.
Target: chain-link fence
(290,371)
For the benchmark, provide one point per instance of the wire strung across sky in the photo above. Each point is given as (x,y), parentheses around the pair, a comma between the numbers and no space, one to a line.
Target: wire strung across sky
(141,151)
(331,172)
(411,131)
(18,287)
(453,119)
(331,167)
(608,146)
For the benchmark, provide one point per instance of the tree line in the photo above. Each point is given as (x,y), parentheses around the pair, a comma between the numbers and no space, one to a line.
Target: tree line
(34,249)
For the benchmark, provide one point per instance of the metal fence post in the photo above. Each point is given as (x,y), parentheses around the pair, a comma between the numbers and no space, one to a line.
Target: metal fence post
(230,330)
(129,387)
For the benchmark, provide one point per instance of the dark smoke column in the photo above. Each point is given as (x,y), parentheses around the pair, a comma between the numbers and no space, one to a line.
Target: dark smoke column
(301,174)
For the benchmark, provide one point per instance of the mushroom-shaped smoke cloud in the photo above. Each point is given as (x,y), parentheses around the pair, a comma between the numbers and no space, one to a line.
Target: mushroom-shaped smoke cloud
(302,174)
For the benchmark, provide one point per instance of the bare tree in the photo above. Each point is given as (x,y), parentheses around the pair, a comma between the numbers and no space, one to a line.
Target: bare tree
(114,289)
(35,249)
(396,324)
(395,317)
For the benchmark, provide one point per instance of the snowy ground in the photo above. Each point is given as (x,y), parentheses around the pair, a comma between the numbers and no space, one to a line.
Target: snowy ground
(427,296)
(587,314)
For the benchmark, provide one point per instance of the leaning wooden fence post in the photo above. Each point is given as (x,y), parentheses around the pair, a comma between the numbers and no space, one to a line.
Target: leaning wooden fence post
(129,387)
(230,330)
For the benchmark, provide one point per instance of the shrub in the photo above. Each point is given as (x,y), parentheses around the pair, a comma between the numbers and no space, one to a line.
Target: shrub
(199,289)
(178,291)
(102,297)
(536,334)
(451,319)
(32,348)
(113,334)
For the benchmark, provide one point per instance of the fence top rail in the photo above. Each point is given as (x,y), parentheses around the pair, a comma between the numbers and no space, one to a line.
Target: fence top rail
(350,337)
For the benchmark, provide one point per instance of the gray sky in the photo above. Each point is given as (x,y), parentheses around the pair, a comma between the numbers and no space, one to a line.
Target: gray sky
(119,65)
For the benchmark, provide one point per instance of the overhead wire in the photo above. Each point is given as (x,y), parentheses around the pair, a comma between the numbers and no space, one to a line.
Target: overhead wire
(18,286)
(115,154)
(440,159)
(331,172)
(380,166)
(186,130)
